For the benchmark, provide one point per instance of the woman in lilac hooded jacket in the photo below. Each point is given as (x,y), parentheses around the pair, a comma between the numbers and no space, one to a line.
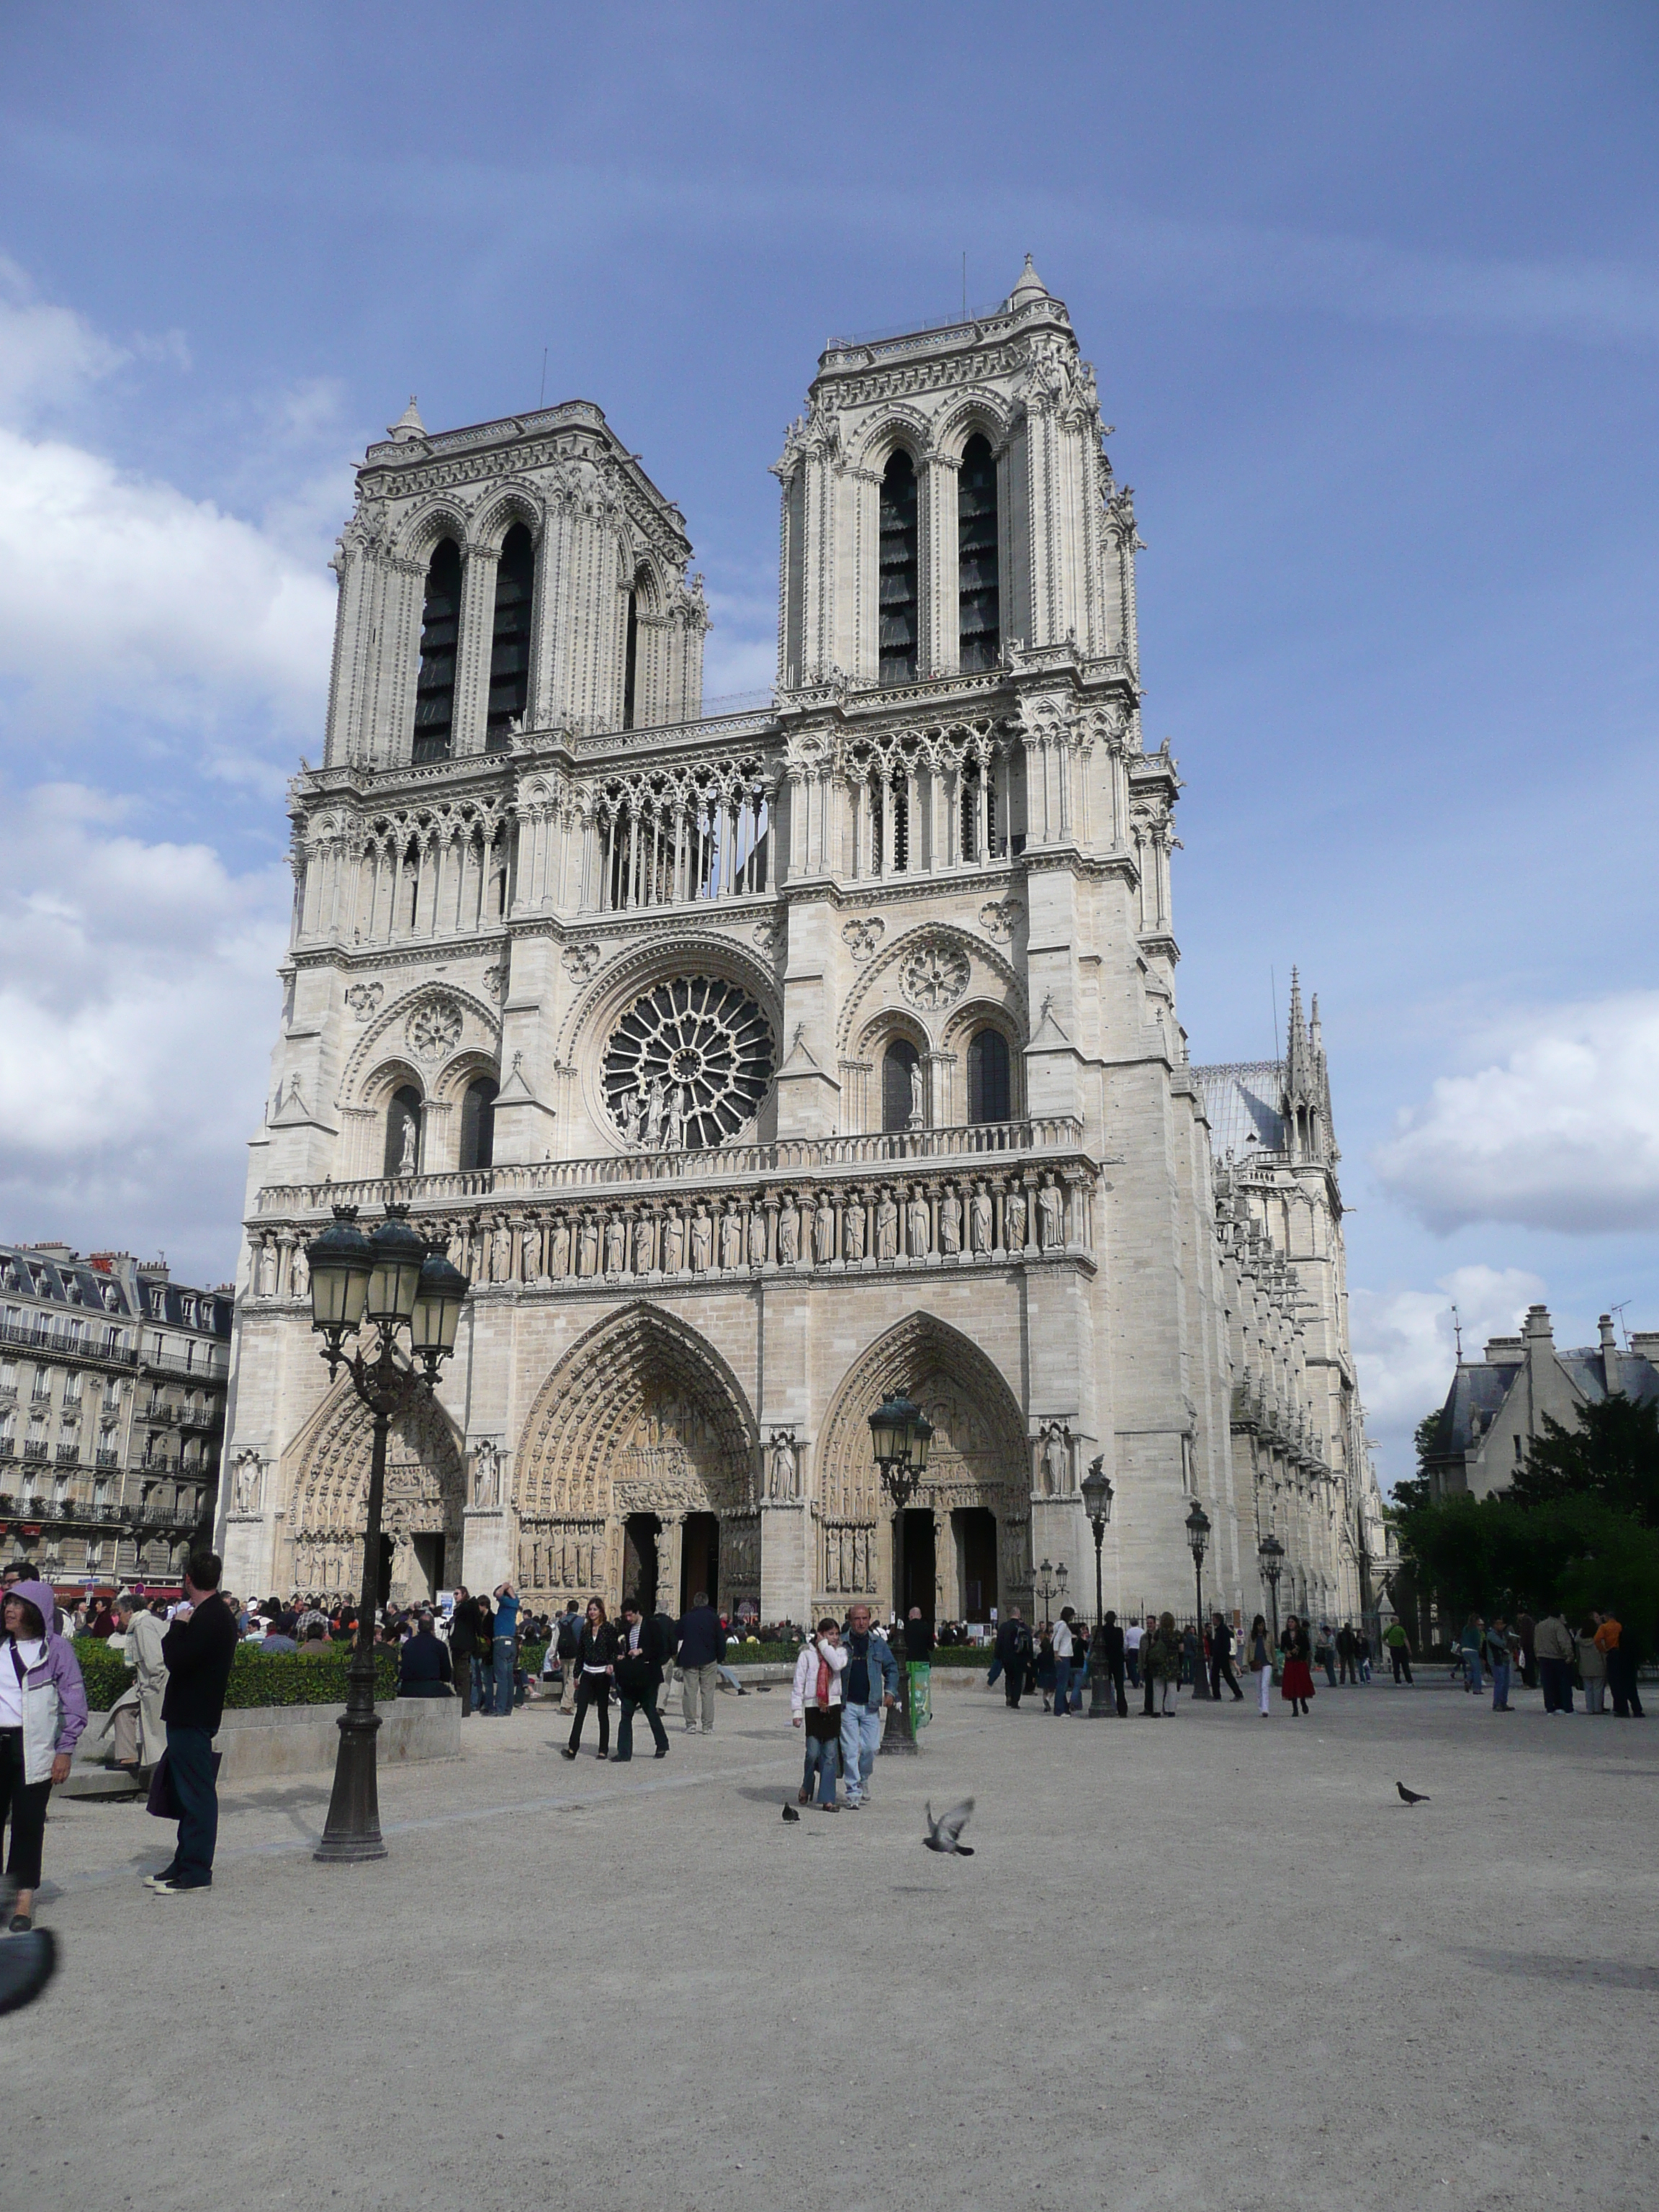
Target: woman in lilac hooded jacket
(43,1709)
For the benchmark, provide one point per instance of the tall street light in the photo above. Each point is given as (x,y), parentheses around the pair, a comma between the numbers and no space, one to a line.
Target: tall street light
(1046,1588)
(1097,1505)
(1271,1552)
(1198,1535)
(370,1289)
(900,1433)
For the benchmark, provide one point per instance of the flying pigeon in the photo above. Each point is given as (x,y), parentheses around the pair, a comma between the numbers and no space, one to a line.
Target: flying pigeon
(1410,1797)
(790,1813)
(942,1835)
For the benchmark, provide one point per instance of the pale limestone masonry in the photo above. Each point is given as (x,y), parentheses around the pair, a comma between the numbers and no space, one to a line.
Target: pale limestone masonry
(833,1045)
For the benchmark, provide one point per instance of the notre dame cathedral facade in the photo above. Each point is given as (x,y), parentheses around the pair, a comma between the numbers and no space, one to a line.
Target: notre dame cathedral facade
(753,1065)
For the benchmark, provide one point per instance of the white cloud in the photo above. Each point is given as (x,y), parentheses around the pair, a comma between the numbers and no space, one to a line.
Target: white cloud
(1561,1133)
(1405,1345)
(137,1005)
(48,356)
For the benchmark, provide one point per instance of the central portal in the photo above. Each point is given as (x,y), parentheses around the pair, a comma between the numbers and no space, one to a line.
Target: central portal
(700,1559)
(640,1534)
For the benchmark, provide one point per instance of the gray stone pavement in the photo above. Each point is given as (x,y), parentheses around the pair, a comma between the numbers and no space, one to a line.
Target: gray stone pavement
(1210,1962)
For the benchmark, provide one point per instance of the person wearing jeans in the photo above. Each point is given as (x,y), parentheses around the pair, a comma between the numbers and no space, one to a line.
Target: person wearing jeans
(505,1655)
(1552,1644)
(815,1704)
(1261,1662)
(869,1685)
(198,1649)
(1498,1653)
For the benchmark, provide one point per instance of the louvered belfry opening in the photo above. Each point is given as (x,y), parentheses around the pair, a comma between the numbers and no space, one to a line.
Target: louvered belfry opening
(631,660)
(979,630)
(509,650)
(434,687)
(898,571)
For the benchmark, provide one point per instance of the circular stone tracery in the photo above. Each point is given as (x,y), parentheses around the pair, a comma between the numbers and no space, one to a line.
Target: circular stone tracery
(688,1065)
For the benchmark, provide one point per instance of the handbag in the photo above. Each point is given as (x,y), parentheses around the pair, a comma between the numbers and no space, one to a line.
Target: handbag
(162,1803)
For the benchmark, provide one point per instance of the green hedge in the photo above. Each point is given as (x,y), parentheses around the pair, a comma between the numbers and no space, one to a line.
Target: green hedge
(257,1678)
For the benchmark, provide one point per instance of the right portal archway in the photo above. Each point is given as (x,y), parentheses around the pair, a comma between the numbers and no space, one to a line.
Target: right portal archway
(977,1492)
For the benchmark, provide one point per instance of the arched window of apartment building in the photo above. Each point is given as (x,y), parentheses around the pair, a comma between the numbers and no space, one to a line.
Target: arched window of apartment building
(509,650)
(434,687)
(898,609)
(989,1092)
(402,1132)
(901,1086)
(979,621)
(479,1122)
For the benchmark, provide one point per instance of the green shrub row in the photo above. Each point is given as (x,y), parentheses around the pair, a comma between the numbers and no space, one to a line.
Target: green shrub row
(257,1678)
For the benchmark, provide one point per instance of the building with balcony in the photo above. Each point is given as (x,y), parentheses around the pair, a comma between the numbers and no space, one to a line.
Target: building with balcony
(756,1064)
(102,1357)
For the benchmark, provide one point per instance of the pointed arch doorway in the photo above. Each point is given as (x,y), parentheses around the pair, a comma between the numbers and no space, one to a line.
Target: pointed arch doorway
(965,1541)
(635,1476)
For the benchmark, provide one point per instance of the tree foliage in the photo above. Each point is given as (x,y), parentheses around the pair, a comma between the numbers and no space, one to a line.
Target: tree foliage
(1613,1455)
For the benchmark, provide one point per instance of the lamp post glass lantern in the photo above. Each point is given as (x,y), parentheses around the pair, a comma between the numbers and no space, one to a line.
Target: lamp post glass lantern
(1271,1552)
(1198,1535)
(368,1289)
(900,1434)
(1097,1505)
(1046,1589)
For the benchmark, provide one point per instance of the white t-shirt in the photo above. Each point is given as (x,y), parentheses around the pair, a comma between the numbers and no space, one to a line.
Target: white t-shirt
(1131,1639)
(1062,1639)
(31,1650)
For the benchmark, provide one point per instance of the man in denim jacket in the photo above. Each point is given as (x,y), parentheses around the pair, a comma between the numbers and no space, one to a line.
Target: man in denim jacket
(869,1685)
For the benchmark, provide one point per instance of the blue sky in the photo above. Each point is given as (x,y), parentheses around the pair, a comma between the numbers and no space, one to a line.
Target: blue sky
(1373,299)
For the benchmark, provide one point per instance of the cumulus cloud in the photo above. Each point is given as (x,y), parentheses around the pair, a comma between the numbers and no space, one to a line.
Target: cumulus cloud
(1560,1131)
(137,1003)
(1405,1345)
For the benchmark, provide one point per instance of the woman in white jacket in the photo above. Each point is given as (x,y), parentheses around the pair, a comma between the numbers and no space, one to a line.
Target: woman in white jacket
(815,1705)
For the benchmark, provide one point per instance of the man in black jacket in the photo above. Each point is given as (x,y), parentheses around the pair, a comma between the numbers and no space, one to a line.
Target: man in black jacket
(424,1667)
(702,1642)
(1109,1661)
(1221,1660)
(198,1649)
(463,1645)
(1013,1650)
(640,1655)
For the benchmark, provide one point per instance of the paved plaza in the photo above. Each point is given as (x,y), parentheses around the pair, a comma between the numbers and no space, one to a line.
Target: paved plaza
(1211,1962)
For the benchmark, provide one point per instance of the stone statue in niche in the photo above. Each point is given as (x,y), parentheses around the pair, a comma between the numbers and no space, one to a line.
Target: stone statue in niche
(1056,1458)
(1013,1221)
(673,1244)
(702,1240)
(614,1245)
(589,1262)
(824,1231)
(674,1139)
(981,1223)
(558,1262)
(486,1475)
(783,1472)
(918,1226)
(788,1234)
(267,1271)
(950,1221)
(653,1114)
(851,1228)
(642,1245)
(299,1278)
(886,1228)
(1051,1228)
(244,1490)
(731,1238)
(501,1253)
(757,1237)
(918,1110)
(406,1157)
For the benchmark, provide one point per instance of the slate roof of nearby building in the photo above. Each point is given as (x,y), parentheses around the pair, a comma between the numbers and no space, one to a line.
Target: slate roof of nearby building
(1479,1387)
(1241,1102)
(73,1282)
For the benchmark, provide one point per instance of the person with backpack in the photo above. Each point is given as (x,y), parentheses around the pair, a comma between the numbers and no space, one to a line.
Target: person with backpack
(567,1636)
(1013,1655)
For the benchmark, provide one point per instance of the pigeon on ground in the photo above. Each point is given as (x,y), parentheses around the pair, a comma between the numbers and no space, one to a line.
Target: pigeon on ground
(28,1963)
(942,1835)
(1410,1797)
(790,1813)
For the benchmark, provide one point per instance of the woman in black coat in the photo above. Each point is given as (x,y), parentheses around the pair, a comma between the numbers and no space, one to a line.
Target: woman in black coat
(595,1663)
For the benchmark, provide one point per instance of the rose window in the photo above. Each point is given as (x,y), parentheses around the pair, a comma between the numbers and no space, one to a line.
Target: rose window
(688,1065)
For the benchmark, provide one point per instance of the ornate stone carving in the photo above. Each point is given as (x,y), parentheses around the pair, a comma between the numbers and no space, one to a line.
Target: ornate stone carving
(434,1028)
(695,1056)
(495,981)
(863,934)
(1001,917)
(783,1465)
(364,998)
(486,1475)
(581,960)
(935,974)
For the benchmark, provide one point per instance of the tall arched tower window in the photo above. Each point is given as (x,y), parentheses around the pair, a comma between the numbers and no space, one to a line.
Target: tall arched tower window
(509,650)
(980,621)
(402,1132)
(898,610)
(899,1087)
(631,658)
(434,687)
(479,1123)
(989,1087)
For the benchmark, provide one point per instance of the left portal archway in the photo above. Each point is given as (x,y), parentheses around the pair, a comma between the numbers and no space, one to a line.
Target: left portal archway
(425,1496)
(641,1422)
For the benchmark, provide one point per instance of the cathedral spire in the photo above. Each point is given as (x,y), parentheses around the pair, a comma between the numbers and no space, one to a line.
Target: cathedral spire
(408,425)
(1028,286)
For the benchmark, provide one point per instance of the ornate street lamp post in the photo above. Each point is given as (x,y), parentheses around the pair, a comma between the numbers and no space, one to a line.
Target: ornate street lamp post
(900,1433)
(1271,1552)
(1198,1535)
(1097,1505)
(1046,1589)
(370,1289)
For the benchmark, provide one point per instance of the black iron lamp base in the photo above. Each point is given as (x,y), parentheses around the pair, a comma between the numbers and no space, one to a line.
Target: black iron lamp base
(352,1831)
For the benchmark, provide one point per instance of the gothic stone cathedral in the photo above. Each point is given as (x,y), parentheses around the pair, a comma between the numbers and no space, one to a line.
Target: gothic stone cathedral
(753,1064)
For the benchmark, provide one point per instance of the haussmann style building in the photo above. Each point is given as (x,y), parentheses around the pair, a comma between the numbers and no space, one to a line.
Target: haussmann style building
(753,1065)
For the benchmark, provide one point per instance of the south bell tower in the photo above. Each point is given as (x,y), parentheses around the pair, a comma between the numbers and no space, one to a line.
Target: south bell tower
(753,1065)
